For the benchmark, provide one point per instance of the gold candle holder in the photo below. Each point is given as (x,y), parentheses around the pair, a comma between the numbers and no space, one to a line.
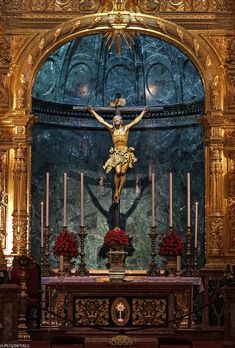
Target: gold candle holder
(188,270)
(82,270)
(45,261)
(153,267)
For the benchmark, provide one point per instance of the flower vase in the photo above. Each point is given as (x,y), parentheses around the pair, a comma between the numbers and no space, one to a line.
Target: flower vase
(65,266)
(117,258)
(171,266)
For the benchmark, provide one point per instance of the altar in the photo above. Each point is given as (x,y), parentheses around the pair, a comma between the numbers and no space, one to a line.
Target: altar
(91,304)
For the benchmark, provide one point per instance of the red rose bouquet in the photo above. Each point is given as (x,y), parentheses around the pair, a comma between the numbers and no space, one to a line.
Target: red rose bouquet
(171,244)
(114,239)
(66,244)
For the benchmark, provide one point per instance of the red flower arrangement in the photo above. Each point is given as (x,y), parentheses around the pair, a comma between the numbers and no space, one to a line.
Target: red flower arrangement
(114,239)
(171,244)
(66,244)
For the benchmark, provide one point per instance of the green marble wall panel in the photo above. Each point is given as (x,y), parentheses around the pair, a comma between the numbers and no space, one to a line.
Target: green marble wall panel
(57,150)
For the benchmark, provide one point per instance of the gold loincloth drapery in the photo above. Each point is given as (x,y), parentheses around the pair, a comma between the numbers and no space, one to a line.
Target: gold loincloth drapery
(122,157)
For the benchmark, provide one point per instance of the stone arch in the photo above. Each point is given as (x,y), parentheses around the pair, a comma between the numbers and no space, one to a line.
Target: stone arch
(197,50)
(33,54)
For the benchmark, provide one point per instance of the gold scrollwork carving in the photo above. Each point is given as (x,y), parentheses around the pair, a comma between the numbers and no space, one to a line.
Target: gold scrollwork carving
(3,197)
(17,5)
(216,235)
(3,89)
(5,48)
(149,6)
(20,216)
(231,195)
(58,305)
(221,5)
(161,25)
(120,311)
(20,94)
(89,6)
(196,46)
(174,5)
(182,303)
(41,46)
(216,169)
(200,5)
(215,93)
(91,311)
(225,46)
(180,34)
(5,135)
(38,5)
(149,311)
(9,47)
(231,80)
(76,26)
(57,33)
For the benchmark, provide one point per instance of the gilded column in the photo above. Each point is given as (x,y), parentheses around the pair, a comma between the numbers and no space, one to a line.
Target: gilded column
(215,190)
(20,215)
(3,197)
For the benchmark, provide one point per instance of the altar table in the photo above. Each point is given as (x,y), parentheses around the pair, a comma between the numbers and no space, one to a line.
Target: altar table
(86,303)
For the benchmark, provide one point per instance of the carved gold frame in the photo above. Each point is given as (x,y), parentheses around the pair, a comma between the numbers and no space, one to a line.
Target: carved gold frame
(17,119)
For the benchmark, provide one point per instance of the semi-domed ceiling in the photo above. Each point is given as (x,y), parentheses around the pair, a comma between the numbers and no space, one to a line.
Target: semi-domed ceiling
(85,71)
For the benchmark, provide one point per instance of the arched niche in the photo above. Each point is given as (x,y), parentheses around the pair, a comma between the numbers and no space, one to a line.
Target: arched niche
(193,46)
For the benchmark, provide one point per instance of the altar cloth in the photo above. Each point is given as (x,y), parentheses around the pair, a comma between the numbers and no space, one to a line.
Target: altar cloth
(196,281)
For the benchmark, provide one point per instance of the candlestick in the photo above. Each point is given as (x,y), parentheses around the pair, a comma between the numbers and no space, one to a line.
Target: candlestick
(188,200)
(42,224)
(65,199)
(171,219)
(153,200)
(82,200)
(47,199)
(196,224)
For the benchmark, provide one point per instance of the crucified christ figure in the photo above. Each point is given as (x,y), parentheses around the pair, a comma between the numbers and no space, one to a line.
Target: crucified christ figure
(121,156)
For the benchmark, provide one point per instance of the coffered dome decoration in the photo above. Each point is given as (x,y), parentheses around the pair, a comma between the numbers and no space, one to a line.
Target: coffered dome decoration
(85,71)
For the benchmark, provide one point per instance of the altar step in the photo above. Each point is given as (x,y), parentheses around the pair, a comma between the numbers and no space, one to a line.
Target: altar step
(146,344)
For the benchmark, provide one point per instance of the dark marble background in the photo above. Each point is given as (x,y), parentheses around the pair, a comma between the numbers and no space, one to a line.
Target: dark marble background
(175,149)
(85,72)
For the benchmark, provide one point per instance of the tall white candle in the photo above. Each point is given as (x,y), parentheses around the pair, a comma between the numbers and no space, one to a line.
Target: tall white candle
(47,199)
(42,223)
(65,199)
(196,225)
(188,200)
(171,195)
(82,199)
(153,200)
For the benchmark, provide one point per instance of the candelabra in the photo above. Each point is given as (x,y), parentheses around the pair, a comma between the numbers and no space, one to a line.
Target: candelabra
(82,270)
(153,267)
(45,262)
(188,270)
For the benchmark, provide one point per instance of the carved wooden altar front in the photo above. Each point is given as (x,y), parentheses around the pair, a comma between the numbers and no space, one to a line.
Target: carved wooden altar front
(87,305)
